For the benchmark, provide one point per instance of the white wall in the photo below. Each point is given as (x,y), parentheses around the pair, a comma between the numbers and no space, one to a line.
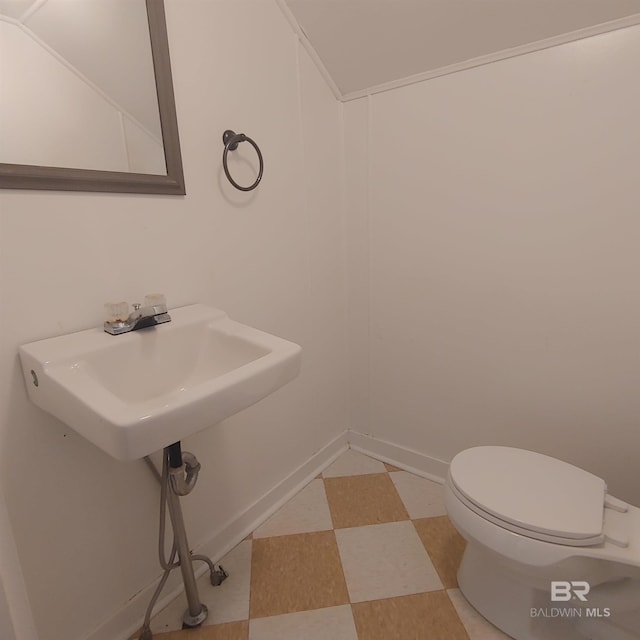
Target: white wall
(85,525)
(501,272)
(16,617)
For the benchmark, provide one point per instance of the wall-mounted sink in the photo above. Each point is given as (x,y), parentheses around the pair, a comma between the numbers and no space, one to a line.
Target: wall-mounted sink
(136,393)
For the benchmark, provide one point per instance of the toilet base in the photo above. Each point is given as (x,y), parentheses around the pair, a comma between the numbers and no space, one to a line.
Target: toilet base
(501,595)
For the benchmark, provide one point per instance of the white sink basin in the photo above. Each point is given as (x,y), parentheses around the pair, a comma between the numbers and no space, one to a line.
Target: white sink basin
(136,393)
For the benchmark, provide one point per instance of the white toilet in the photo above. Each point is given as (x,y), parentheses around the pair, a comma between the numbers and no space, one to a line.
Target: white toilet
(550,555)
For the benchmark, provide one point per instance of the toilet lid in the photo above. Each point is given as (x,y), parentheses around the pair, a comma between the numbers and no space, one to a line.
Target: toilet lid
(534,492)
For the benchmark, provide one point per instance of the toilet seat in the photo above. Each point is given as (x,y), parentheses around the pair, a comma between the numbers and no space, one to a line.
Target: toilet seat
(531,494)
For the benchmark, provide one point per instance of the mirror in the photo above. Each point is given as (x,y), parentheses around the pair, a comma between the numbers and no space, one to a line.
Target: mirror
(128,140)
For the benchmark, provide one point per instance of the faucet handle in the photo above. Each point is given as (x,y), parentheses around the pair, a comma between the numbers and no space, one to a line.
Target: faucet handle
(117,311)
(154,300)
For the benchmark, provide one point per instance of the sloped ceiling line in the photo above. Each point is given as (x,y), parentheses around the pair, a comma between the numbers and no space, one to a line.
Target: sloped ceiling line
(306,43)
(497,56)
(362,47)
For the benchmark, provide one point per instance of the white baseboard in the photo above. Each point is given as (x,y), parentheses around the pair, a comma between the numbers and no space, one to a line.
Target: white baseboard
(129,619)
(401,457)
(234,532)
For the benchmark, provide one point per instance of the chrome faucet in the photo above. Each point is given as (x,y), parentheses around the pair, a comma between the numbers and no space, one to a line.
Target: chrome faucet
(151,312)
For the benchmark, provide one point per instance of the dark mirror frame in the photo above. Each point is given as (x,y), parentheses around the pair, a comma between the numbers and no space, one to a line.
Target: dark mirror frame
(22,176)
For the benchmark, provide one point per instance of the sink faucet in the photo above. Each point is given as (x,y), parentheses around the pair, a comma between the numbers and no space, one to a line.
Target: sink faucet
(151,312)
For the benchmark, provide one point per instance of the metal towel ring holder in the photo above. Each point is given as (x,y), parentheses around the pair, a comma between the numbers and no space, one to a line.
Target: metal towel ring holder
(231,141)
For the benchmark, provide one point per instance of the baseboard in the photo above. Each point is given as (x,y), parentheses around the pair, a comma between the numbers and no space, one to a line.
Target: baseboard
(401,457)
(129,619)
(261,510)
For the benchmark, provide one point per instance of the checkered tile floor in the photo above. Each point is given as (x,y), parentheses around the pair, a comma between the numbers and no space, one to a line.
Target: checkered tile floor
(364,552)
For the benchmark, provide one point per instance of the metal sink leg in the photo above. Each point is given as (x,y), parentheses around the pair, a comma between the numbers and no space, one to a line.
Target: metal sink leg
(197,612)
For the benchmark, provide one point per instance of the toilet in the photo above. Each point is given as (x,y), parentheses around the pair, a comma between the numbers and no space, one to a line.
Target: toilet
(550,554)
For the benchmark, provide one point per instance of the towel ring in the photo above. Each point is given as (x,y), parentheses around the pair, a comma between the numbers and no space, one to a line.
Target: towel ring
(231,140)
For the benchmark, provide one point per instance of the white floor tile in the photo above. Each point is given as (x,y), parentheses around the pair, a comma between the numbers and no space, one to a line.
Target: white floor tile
(353,463)
(230,601)
(385,560)
(478,628)
(422,498)
(227,602)
(335,623)
(307,511)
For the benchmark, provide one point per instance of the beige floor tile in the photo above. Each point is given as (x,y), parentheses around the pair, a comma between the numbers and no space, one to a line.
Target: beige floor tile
(295,573)
(227,631)
(444,545)
(477,627)
(331,623)
(385,560)
(307,511)
(355,501)
(352,463)
(422,498)
(390,467)
(227,602)
(415,617)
